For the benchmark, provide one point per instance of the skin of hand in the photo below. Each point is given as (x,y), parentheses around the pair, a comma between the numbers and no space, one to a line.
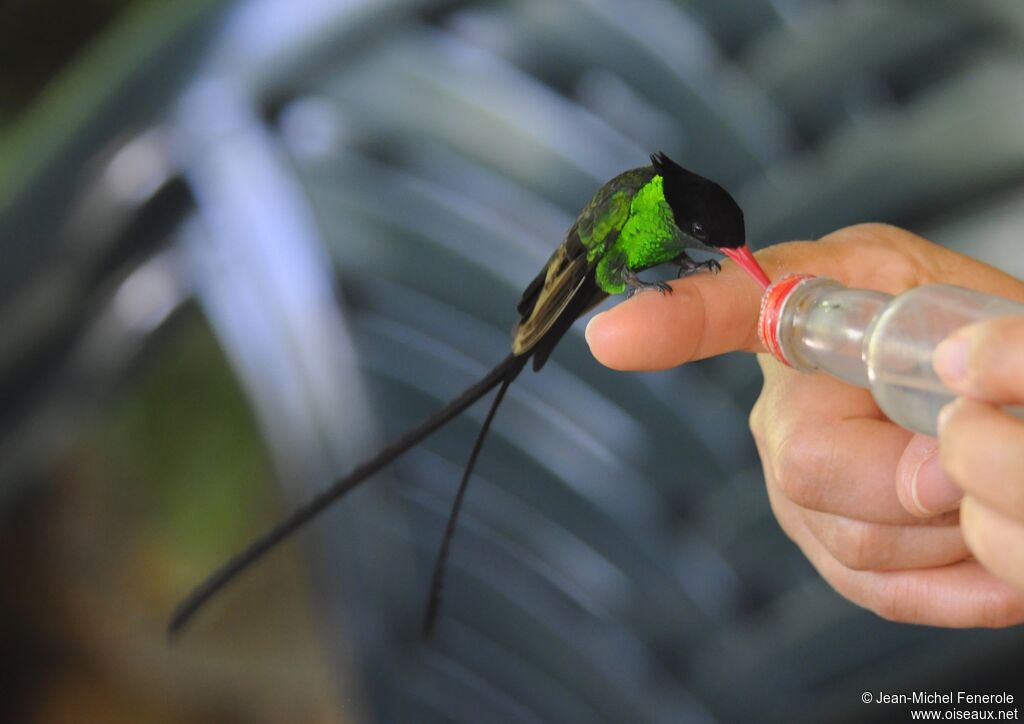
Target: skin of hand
(867,502)
(982,447)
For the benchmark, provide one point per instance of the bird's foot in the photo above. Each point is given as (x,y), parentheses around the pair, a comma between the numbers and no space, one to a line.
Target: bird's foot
(635,283)
(688,267)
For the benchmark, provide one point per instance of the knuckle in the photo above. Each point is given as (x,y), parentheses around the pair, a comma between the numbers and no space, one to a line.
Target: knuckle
(856,545)
(801,463)
(893,611)
(900,602)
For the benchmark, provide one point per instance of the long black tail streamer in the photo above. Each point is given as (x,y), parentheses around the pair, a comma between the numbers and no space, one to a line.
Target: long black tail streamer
(437,580)
(504,372)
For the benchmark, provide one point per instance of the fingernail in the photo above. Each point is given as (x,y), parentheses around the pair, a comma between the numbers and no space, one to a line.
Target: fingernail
(586,332)
(950,358)
(944,414)
(932,490)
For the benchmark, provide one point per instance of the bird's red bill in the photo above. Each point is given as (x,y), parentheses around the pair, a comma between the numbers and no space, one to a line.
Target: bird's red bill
(745,258)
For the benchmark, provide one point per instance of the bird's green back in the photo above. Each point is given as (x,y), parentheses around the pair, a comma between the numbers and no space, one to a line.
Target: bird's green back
(628,225)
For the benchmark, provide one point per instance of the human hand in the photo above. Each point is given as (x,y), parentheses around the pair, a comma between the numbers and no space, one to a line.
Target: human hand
(854,491)
(982,447)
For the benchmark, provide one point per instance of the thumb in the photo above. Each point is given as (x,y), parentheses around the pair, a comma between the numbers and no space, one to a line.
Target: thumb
(709,315)
(922,486)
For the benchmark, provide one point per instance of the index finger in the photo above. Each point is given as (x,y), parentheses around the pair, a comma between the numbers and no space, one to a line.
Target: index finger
(707,315)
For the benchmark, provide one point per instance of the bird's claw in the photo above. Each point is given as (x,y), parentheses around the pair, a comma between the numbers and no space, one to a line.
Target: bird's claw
(711,265)
(664,287)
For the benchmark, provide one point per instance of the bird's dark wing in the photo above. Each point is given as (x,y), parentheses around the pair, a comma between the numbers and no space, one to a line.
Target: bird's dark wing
(565,286)
(609,210)
(547,296)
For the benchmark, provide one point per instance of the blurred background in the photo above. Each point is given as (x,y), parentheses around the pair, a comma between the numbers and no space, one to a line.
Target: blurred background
(243,243)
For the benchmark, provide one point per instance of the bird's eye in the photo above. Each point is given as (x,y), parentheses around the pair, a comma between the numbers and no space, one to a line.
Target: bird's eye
(698,230)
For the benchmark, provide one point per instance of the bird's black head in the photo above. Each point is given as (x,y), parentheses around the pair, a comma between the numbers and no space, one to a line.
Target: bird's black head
(701,208)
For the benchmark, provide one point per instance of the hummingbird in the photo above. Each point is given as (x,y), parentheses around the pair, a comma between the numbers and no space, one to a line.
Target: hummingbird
(642,218)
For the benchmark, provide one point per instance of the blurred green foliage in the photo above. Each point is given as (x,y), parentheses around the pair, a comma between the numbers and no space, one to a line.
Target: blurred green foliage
(181,442)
